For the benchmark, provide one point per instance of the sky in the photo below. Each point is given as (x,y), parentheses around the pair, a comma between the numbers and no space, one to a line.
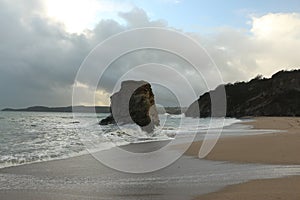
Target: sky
(44,43)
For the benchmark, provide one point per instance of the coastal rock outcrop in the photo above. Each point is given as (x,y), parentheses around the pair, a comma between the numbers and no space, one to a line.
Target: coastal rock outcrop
(275,96)
(134,103)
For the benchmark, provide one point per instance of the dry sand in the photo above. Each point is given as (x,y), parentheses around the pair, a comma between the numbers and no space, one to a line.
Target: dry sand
(269,189)
(276,148)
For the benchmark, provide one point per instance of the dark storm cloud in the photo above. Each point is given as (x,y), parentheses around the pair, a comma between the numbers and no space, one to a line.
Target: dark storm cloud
(39,59)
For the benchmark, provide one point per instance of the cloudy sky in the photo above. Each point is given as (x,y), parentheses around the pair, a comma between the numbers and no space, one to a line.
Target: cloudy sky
(44,42)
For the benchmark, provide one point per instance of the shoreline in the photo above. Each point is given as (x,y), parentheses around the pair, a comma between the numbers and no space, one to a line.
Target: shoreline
(125,145)
(276,148)
(84,177)
(280,147)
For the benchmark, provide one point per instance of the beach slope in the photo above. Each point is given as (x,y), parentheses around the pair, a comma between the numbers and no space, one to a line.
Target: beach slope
(277,148)
(281,147)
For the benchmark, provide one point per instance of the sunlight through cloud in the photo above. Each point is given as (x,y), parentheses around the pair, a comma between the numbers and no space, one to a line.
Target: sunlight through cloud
(81,14)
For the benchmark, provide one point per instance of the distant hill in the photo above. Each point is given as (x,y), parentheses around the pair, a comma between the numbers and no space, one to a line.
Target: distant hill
(275,96)
(86,109)
(83,109)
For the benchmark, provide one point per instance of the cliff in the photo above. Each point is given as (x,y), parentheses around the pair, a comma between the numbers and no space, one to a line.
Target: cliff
(276,96)
(134,103)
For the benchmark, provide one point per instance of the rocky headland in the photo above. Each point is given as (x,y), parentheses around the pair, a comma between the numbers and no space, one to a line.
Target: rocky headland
(275,96)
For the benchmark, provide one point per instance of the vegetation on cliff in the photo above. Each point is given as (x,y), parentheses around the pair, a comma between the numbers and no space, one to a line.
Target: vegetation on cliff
(275,96)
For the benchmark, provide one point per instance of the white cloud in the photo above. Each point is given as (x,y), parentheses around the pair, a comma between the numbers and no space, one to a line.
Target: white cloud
(39,59)
(102,98)
(271,45)
(278,38)
(276,25)
(79,15)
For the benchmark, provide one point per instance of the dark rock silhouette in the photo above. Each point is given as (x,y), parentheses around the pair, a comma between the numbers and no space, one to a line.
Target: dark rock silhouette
(134,103)
(107,120)
(80,109)
(276,96)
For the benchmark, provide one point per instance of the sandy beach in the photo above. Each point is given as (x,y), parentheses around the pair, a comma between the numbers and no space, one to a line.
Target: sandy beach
(83,177)
(268,189)
(275,148)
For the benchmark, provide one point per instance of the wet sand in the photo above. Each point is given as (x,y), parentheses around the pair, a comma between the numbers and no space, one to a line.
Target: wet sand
(83,177)
(276,148)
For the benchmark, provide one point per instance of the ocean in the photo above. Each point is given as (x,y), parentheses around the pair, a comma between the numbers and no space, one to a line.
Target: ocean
(37,137)
(27,137)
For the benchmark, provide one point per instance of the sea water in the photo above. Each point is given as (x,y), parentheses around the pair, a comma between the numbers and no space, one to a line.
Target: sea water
(27,137)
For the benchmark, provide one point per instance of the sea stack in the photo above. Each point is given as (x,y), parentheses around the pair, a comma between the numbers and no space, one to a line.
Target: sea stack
(134,103)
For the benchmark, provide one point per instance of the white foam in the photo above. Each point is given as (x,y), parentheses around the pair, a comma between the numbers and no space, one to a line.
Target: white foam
(54,136)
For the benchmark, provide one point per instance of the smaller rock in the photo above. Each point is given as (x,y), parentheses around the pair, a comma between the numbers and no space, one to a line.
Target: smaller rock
(108,120)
